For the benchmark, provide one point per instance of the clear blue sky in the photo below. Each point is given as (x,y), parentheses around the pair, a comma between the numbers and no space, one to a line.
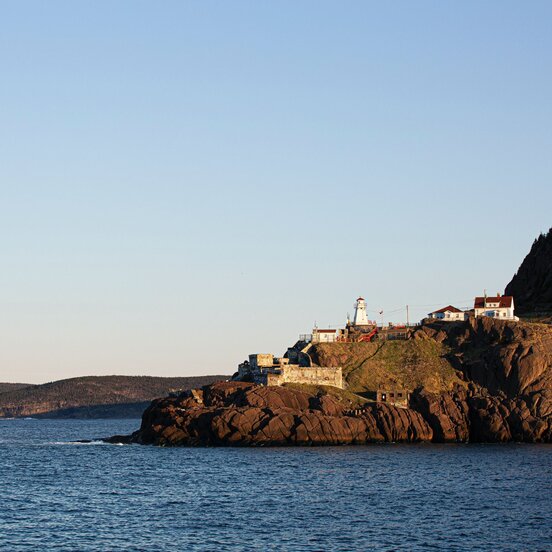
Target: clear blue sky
(184,183)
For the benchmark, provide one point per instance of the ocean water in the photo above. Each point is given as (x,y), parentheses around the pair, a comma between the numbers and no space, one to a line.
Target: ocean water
(62,496)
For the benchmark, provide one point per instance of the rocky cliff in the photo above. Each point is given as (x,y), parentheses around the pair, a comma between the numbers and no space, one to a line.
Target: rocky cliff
(531,287)
(508,370)
(238,413)
(501,391)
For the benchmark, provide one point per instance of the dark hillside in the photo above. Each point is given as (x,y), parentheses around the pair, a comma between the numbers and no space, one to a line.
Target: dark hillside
(531,287)
(4,386)
(94,396)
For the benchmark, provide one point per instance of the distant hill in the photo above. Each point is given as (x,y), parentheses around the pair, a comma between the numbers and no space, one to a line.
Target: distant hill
(4,386)
(531,287)
(92,396)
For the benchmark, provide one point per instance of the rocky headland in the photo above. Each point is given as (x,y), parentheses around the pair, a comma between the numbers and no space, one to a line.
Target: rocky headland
(483,380)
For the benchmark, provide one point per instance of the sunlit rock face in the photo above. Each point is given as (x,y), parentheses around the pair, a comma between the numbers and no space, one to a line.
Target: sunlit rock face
(237,413)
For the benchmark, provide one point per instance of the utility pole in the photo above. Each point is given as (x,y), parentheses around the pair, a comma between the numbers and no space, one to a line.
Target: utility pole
(407,320)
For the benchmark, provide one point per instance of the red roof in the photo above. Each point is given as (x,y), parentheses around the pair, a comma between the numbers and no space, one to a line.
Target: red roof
(450,308)
(504,302)
(360,299)
(326,331)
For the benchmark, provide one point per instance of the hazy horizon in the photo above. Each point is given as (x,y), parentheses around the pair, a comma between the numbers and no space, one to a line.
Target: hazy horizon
(187,183)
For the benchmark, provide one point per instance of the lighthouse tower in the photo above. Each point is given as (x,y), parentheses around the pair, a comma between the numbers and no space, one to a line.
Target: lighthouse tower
(360,318)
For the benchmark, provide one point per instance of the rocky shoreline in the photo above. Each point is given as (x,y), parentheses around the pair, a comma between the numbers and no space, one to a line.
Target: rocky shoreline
(243,414)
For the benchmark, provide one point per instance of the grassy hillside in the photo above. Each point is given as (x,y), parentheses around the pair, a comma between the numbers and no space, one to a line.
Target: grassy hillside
(343,395)
(409,364)
(94,396)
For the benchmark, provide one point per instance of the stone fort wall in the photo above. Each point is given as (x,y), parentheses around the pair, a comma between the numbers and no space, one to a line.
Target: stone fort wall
(314,375)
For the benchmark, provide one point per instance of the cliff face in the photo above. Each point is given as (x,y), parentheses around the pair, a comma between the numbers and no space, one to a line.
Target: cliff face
(507,358)
(531,287)
(503,393)
(508,368)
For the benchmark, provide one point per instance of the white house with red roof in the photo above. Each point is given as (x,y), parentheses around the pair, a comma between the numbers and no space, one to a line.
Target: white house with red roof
(449,314)
(501,306)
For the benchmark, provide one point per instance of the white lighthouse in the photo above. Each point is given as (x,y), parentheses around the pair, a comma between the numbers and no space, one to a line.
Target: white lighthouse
(360,319)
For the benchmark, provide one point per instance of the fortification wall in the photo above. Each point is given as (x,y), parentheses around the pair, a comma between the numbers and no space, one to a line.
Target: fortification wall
(314,375)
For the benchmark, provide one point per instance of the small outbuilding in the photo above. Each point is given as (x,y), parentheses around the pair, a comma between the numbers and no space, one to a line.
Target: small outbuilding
(396,396)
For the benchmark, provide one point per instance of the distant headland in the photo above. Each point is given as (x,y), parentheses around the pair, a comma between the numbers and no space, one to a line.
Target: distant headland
(92,396)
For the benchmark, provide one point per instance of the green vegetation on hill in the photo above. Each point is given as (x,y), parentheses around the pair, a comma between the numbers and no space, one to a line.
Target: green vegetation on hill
(343,395)
(383,364)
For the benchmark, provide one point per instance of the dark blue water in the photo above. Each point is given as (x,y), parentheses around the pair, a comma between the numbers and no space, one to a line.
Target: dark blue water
(61,496)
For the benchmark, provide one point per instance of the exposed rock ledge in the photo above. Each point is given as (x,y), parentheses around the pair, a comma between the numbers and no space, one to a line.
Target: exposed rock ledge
(237,413)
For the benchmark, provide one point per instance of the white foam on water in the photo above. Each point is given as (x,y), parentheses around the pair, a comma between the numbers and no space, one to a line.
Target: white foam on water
(77,443)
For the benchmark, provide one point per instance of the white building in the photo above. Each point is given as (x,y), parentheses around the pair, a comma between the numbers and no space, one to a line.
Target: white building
(324,336)
(449,314)
(501,306)
(360,318)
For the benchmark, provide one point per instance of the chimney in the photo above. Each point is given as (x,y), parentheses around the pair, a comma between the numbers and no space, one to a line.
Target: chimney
(498,294)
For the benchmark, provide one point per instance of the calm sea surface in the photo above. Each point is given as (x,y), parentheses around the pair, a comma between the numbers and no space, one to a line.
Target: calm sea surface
(61,496)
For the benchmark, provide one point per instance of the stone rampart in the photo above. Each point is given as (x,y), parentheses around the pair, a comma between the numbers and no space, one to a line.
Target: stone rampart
(314,375)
